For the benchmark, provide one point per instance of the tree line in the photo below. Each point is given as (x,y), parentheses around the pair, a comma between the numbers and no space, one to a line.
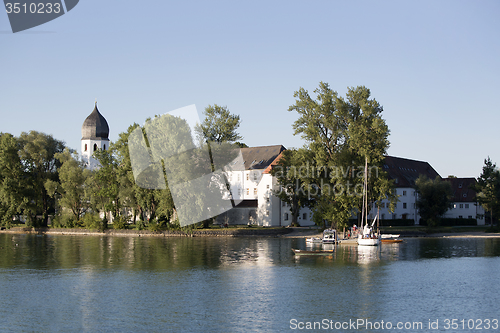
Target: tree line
(40,176)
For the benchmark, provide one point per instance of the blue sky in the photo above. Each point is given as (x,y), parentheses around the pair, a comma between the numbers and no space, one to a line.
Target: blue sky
(433,65)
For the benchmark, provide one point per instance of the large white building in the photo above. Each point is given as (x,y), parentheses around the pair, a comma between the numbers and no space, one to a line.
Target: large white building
(254,187)
(464,200)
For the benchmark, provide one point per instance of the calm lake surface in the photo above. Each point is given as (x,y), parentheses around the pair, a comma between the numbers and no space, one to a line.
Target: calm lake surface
(228,284)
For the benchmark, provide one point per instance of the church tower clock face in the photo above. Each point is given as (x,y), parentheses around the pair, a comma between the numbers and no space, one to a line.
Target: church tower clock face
(95,135)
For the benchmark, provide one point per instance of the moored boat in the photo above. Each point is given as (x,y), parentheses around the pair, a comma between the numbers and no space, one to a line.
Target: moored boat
(312,252)
(329,236)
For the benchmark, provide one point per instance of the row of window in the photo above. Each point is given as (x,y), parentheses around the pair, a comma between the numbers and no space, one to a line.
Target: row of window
(461,206)
(386,205)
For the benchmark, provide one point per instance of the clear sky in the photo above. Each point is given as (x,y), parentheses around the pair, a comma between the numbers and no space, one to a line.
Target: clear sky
(433,65)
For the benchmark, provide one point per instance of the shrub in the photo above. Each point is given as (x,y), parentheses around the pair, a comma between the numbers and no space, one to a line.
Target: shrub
(120,222)
(92,221)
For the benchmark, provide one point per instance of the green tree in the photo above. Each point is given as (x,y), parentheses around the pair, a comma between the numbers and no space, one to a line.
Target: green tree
(293,173)
(488,188)
(434,199)
(219,125)
(71,185)
(102,187)
(12,184)
(342,134)
(37,153)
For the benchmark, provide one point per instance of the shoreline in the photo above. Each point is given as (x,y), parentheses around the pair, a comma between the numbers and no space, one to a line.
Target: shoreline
(284,232)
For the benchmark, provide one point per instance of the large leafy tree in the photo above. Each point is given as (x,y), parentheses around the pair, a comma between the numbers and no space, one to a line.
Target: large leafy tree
(38,157)
(102,187)
(342,134)
(12,185)
(434,199)
(488,188)
(71,186)
(219,125)
(293,173)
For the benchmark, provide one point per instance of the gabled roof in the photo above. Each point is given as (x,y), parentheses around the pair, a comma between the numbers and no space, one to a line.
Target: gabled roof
(404,171)
(257,158)
(462,189)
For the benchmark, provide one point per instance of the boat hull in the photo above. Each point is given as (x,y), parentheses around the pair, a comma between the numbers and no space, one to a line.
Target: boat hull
(312,253)
(368,241)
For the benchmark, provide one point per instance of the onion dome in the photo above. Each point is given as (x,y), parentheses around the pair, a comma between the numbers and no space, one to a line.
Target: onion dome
(95,127)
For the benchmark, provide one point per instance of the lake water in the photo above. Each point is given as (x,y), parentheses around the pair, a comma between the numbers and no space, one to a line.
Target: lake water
(227,284)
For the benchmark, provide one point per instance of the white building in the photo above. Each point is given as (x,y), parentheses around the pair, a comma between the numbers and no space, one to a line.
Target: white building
(95,133)
(404,172)
(254,186)
(464,204)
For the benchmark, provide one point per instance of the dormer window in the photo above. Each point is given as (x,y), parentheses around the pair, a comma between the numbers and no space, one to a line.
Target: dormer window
(460,185)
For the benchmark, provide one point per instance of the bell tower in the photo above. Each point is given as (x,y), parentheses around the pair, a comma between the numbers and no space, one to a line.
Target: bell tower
(95,132)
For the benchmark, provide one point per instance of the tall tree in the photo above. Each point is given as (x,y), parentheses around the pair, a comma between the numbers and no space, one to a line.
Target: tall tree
(341,134)
(12,184)
(434,199)
(37,153)
(102,187)
(219,125)
(488,188)
(294,174)
(71,185)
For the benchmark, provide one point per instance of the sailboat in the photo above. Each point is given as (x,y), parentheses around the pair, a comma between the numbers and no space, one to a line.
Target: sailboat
(367,235)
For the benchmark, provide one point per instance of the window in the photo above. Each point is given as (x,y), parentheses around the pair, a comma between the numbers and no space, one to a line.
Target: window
(454,205)
(104,147)
(460,217)
(461,205)
(255,176)
(304,216)
(85,147)
(95,146)
(404,205)
(248,176)
(248,191)
(239,177)
(286,217)
(239,192)
(267,213)
(404,192)
(382,205)
(383,216)
(255,191)
(283,204)
(267,199)
(470,216)
(267,187)
(467,206)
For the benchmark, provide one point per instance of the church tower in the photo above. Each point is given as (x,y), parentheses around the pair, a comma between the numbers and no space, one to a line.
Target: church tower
(95,132)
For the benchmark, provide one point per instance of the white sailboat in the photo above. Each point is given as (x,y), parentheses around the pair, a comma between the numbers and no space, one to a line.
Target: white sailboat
(367,235)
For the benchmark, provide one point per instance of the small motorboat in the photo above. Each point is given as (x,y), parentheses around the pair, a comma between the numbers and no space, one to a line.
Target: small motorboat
(298,252)
(329,236)
(390,238)
(314,240)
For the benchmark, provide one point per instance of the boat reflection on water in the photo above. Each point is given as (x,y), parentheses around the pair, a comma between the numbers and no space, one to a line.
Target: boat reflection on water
(368,254)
